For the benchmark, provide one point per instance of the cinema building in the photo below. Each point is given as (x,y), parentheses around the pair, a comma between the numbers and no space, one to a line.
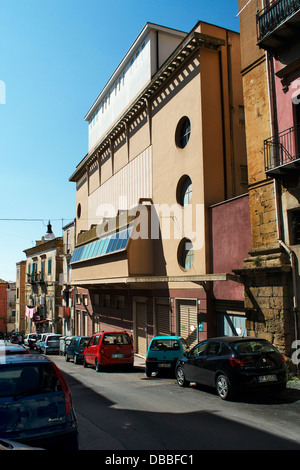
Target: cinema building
(162,210)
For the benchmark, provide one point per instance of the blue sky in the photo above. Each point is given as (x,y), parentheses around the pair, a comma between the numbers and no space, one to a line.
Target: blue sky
(55,58)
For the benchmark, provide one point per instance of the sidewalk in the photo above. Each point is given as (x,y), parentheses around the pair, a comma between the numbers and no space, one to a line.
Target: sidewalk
(139,361)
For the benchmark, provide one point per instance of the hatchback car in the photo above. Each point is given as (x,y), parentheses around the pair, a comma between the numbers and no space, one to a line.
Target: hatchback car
(163,353)
(232,363)
(50,343)
(109,349)
(35,403)
(75,349)
(30,340)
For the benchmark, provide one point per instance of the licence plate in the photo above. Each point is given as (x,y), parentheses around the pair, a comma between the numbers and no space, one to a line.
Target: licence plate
(267,378)
(164,365)
(117,355)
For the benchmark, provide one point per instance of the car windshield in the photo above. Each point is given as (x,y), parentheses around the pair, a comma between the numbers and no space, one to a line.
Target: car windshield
(116,338)
(27,379)
(165,344)
(253,347)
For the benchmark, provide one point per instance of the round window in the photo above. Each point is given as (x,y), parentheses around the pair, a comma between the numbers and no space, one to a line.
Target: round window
(185,254)
(184,190)
(183,132)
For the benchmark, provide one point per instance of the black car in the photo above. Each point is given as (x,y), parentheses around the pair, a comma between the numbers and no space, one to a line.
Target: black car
(233,363)
(35,403)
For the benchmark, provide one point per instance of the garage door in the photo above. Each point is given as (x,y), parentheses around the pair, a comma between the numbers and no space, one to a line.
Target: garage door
(162,310)
(188,321)
(141,328)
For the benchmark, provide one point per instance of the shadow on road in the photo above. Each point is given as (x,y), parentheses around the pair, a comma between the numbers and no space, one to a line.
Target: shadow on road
(104,425)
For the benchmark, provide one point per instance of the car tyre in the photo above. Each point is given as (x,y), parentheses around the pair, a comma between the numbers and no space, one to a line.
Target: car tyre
(98,367)
(84,363)
(224,388)
(67,358)
(180,376)
(148,373)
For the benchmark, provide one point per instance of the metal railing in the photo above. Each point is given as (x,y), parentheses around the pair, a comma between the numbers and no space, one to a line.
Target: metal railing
(274,14)
(283,148)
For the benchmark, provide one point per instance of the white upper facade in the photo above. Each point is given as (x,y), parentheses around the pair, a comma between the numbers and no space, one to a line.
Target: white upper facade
(150,50)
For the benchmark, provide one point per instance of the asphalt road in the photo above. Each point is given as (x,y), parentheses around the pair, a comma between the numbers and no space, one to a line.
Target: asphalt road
(122,410)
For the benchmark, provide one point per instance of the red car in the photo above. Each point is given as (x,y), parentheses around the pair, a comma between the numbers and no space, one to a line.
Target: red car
(109,348)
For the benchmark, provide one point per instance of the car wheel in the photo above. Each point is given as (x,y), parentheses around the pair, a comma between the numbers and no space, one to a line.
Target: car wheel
(148,373)
(181,380)
(97,366)
(67,358)
(84,363)
(224,389)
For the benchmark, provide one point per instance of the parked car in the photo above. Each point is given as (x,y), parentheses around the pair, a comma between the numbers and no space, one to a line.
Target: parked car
(36,404)
(163,353)
(8,349)
(41,336)
(30,340)
(109,349)
(75,349)
(17,337)
(50,343)
(64,342)
(232,363)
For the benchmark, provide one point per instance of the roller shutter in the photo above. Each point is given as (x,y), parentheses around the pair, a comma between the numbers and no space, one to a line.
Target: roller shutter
(163,326)
(188,321)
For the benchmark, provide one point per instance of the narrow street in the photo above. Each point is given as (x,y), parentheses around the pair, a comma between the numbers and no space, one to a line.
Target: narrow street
(121,410)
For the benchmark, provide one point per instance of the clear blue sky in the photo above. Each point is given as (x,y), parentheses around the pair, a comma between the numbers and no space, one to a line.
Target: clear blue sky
(55,58)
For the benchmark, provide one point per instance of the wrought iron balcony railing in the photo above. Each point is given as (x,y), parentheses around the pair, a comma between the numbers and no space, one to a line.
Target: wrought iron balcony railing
(282,151)
(277,16)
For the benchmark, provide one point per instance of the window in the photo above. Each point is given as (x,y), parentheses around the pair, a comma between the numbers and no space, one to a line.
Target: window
(198,350)
(294,226)
(183,132)
(49,266)
(185,254)
(78,211)
(184,191)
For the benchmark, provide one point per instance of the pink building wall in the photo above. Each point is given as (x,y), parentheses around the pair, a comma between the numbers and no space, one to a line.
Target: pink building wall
(231,243)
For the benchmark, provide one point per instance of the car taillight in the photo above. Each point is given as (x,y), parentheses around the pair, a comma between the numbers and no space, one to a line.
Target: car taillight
(234,362)
(151,359)
(65,388)
(282,358)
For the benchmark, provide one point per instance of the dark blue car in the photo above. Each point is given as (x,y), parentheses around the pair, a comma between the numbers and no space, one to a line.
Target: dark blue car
(35,403)
(75,349)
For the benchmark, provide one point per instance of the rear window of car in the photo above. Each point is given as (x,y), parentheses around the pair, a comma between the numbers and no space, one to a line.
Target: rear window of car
(119,338)
(84,341)
(165,345)
(53,338)
(27,379)
(253,347)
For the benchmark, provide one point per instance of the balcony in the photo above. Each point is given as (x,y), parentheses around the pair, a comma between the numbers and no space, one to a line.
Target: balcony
(282,152)
(278,24)
(35,278)
(64,312)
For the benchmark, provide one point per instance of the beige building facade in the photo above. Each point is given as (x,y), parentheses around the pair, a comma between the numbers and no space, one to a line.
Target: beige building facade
(43,284)
(145,188)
